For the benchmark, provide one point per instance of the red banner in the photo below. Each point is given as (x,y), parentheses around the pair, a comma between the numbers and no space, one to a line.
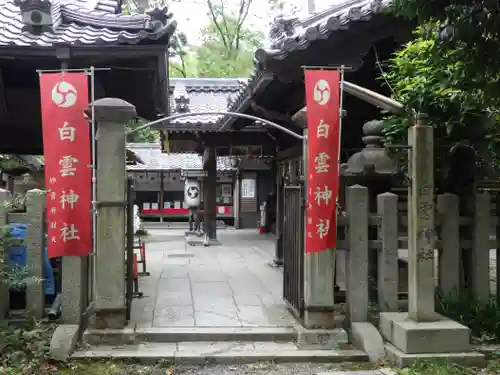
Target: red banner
(67,157)
(323,123)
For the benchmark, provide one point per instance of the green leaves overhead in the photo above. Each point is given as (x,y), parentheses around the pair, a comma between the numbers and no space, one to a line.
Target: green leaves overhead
(445,80)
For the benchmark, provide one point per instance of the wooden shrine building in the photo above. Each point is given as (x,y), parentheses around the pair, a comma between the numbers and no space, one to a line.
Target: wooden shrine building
(77,34)
(159,182)
(248,149)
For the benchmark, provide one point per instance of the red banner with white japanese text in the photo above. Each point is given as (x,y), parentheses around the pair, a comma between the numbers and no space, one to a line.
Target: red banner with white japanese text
(67,158)
(323,124)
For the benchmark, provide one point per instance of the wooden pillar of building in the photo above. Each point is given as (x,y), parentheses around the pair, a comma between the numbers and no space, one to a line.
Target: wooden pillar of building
(278,255)
(209,192)
(161,195)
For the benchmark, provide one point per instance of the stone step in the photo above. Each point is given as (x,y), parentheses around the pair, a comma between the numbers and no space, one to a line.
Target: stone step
(192,334)
(197,353)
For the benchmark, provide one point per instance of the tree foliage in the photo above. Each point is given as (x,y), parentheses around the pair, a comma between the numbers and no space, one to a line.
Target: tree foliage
(143,136)
(439,78)
(227,44)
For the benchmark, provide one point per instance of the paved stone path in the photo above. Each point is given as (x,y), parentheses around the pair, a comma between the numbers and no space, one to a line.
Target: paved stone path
(230,285)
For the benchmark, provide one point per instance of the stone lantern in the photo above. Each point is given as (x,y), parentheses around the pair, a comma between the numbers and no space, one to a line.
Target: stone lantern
(370,167)
(373,168)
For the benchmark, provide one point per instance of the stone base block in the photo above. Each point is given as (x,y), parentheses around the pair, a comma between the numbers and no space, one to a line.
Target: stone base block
(366,337)
(63,342)
(113,318)
(411,337)
(316,339)
(402,359)
(322,320)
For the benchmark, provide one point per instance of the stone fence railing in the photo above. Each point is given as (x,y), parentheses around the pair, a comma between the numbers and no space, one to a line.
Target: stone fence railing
(377,233)
(33,216)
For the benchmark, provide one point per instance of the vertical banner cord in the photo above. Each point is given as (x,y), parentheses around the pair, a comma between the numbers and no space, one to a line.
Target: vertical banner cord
(94,179)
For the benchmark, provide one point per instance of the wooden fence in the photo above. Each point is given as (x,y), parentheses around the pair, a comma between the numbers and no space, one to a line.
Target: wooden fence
(33,216)
(455,237)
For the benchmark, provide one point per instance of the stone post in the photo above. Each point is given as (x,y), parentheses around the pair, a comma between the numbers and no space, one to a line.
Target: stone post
(209,193)
(357,264)
(111,114)
(72,289)
(480,282)
(449,260)
(421,235)
(387,204)
(35,241)
(318,276)
(5,197)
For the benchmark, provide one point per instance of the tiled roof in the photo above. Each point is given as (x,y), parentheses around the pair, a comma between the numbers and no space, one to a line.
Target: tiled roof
(204,94)
(154,159)
(79,22)
(291,34)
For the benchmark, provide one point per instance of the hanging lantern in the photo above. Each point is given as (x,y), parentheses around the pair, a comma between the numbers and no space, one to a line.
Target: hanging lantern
(192,193)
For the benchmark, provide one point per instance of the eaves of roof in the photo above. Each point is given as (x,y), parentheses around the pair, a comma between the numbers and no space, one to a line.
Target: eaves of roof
(321,26)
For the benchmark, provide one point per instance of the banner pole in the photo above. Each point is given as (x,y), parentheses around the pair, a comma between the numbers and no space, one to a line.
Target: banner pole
(94,178)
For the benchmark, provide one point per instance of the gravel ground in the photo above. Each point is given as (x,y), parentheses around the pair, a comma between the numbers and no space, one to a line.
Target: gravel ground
(256,369)
(265,368)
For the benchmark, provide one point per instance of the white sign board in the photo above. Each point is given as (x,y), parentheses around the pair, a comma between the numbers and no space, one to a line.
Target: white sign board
(248,188)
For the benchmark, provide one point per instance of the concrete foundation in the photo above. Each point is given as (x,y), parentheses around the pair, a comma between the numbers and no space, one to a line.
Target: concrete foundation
(410,340)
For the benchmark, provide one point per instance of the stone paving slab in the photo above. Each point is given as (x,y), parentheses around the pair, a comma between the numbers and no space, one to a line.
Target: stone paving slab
(232,285)
(220,352)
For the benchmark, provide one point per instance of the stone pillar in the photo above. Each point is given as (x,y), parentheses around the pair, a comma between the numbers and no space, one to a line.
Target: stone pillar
(318,276)
(209,193)
(422,330)
(111,114)
(5,197)
(421,227)
(35,241)
(73,273)
(278,254)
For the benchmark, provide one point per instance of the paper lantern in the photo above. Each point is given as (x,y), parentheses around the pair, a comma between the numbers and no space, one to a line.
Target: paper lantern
(192,193)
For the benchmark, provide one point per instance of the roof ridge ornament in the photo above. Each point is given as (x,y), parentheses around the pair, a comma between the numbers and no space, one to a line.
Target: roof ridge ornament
(181,98)
(282,27)
(159,17)
(36,15)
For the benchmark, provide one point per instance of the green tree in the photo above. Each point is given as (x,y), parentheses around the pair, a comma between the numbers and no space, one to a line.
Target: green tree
(429,79)
(227,44)
(144,135)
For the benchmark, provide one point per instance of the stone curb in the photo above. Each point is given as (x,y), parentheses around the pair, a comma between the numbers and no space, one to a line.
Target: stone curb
(193,358)
(190,334)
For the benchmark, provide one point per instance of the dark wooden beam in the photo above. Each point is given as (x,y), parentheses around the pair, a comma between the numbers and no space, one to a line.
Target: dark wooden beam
(289,153)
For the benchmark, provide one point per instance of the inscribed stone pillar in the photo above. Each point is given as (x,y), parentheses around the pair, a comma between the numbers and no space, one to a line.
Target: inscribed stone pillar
(318,276)
(5,197)
(111,115)
(421,231)
(35,240)
(210,192)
